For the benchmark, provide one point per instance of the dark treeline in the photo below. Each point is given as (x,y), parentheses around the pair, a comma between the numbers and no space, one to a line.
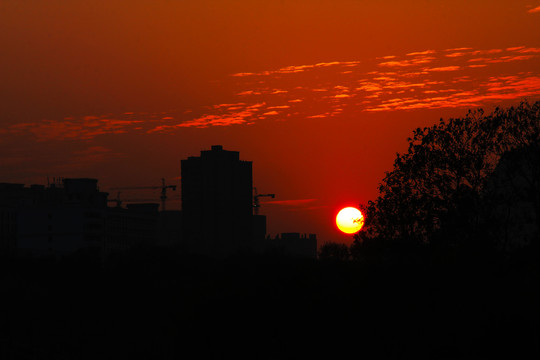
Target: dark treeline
(156,304)
(447,267)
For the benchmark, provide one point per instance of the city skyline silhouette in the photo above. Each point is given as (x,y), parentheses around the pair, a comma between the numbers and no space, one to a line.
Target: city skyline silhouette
(305,94)
(220,216)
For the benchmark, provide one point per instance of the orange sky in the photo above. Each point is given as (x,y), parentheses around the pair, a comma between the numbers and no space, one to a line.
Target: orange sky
(319,94)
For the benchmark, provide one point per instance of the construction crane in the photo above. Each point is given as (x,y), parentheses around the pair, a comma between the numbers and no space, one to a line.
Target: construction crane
(256,203)
(119,201)
(163,188)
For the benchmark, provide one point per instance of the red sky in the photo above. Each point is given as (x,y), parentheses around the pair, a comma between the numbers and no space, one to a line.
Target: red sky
(319,94)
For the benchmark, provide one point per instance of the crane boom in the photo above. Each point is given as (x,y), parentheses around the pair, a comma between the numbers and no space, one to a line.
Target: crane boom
(163,188)
(120,201)
(256,203)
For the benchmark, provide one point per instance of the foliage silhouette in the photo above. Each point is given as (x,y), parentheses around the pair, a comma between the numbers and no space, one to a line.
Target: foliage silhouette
(331,251)
(436,192)
(512,199)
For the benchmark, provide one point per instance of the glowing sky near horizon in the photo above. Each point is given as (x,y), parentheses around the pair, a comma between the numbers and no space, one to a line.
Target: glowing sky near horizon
(320,95)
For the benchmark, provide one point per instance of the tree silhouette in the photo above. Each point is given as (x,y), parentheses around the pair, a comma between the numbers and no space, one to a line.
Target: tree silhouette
(512,198)
(334,252)
(436,190)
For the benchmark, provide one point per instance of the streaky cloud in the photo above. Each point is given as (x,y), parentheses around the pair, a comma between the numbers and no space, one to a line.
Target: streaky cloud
(292,69)
(529,50)
(85,128)
(248,92)
(455,54)
(279,107)
(458,49)
(243,74)
(430,79)
(218,106)
(444,68)
(406,62)
(486,52)
(426,52)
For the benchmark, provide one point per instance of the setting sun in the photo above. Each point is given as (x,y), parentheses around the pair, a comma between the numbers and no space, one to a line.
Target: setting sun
(350,220)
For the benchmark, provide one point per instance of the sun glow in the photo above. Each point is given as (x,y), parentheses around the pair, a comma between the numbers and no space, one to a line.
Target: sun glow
(350,220)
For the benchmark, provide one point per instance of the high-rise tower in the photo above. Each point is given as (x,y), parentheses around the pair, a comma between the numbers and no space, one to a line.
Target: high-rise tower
(217,202)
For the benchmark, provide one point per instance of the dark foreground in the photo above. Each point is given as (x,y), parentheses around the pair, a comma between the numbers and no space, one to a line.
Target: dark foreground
(156,304)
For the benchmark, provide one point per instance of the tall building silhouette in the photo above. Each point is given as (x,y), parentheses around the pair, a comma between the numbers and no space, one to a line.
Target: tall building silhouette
(217,203)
